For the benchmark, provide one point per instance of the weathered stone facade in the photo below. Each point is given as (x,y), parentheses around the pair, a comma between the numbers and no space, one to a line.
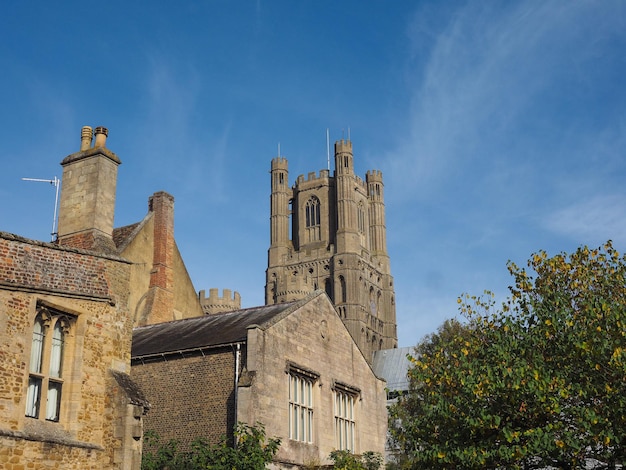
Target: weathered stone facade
(338,244)
(91,291)
(312,340)
(66,398)
(87,204)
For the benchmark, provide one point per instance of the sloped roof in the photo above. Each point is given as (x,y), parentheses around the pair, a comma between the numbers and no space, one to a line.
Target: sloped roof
(206,331)
(131,389)
(121,234)
(393,365)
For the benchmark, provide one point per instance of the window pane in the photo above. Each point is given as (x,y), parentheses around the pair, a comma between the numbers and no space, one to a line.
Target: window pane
(290,388)
(56,353)
(33,396)
(350,407)
(309,393)
(344,421)
(37,346)
(351,437)
(295,390)
(300,408)
(53,401)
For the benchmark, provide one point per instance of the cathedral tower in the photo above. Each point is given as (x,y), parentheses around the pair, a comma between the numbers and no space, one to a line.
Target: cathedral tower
(337,243)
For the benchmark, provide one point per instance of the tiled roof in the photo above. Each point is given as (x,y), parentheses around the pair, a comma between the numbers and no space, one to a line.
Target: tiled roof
(121,234)
(202,332)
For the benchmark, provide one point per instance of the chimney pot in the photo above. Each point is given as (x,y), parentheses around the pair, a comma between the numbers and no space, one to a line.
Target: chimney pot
(86,135)
(101,136)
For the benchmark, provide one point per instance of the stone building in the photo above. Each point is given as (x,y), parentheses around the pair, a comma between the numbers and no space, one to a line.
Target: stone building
(161,287)
(337,243)
(292,366)
(66,398)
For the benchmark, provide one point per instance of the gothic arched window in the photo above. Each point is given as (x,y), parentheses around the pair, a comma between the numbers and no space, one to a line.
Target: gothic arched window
(45,379)
(372,299)
(342,288)
(329,289)
(361,218)
(312,219)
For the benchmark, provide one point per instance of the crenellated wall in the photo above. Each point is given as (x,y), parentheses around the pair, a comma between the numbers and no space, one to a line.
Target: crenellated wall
(216,303)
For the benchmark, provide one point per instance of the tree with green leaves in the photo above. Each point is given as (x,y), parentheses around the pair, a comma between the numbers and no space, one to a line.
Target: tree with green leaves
(252,451)
(345,460)
(538,382)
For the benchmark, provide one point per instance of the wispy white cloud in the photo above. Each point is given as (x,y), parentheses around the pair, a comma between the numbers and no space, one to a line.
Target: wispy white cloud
(515,143)
(594,220)
(170,102)
(482,93)
(185,151)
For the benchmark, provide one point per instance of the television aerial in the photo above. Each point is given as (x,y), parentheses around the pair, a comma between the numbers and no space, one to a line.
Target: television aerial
(56,182)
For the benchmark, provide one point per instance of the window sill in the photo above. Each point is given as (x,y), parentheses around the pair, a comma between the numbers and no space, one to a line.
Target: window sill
(43,432)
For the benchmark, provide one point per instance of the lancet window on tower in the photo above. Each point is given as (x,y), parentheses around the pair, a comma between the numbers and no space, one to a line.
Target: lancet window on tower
(361,217)
(312,218)
(373,306)
(342,288)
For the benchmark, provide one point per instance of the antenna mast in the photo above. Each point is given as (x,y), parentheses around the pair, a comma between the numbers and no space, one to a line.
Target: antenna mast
(55,181)
(327,149)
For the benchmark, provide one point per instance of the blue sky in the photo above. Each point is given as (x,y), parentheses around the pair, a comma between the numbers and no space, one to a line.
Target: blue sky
(500,127)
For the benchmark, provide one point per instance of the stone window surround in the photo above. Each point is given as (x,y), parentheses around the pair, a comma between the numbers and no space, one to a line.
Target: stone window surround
(50,319)
(301,408)
(345,398)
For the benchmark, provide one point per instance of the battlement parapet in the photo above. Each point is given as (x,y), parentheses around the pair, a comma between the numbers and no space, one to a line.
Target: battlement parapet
(360,182)
(374,175)
(215,303)
(312,177)
(279,163)
(343,146)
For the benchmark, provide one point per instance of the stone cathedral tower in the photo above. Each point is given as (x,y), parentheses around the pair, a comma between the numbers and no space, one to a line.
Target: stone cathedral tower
(337,243)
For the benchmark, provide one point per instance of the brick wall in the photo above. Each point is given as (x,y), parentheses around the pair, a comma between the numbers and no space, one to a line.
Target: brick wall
(35,265)
(190,396)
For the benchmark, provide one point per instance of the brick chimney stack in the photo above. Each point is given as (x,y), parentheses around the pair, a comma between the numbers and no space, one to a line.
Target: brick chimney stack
(160,301)
(87,203)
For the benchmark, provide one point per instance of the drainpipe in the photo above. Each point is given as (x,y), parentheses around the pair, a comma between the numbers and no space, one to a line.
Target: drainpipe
(237,362)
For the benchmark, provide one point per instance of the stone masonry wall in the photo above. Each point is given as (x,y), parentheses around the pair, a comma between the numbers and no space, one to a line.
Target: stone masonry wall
(93,291)
(314,338)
